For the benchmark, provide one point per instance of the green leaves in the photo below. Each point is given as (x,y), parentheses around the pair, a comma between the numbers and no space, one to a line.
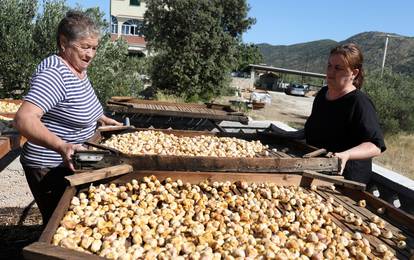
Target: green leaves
(113,72)
(16,44)
(393,96)
(28,36)
(196,43)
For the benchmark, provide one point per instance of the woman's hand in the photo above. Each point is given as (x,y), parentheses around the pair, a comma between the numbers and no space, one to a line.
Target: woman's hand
(67,150)
(363,151)
(344,157)
(106,121)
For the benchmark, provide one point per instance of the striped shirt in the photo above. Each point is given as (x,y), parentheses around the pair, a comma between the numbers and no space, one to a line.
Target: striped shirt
(71,109)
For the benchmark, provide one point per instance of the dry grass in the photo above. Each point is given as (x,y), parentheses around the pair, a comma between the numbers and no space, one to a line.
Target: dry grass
(168,98)
(398,155)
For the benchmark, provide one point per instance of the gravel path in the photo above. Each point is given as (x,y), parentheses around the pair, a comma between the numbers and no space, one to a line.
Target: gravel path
(14,191)
(292,110)
(20,220)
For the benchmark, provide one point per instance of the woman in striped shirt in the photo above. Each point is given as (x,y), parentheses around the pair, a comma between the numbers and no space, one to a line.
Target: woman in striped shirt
(60,111)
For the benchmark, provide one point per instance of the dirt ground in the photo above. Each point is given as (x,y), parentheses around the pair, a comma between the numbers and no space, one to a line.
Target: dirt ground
(20,219)
(292,110)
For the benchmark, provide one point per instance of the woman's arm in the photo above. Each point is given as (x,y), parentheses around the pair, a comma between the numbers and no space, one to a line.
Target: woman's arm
(363,151)
(27,121)
(104,120)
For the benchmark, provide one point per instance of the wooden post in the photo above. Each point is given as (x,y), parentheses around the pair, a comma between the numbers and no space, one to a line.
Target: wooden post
(97,175)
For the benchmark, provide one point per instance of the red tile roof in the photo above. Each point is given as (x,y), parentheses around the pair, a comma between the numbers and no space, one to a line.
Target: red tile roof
(131,39)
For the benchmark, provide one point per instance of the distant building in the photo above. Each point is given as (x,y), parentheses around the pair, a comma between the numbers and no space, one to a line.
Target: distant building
(127,17)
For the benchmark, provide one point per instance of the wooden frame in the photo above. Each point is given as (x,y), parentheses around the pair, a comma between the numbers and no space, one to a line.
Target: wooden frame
(5,146)
(288,158)
(15,140)
(215,112)
(14,101)
(398,222)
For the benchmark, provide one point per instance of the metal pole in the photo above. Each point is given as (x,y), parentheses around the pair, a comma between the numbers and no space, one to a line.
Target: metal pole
(252,77)
(385,54)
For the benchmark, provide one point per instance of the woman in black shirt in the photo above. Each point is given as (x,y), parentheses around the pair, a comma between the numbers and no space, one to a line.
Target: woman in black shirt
(343,119)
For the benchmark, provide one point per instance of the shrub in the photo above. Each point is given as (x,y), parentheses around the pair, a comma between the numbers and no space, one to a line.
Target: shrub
(393,96)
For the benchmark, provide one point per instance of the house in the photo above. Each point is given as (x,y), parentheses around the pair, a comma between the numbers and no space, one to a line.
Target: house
(127,17)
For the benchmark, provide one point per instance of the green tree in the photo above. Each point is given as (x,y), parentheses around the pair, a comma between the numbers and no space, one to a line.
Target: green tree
(16,44)
(196,43)
(113,72)
(393,97)
(28,36)
(247,54)
(45,28)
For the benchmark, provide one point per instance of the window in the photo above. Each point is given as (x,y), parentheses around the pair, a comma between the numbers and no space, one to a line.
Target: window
(134,2)
(114,24)
(132,27)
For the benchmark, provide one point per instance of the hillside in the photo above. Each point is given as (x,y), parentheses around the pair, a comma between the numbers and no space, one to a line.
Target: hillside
(312,56)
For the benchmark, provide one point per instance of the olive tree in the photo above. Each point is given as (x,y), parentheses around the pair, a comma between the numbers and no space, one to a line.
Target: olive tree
(16,44)
(196,44)
(29,35)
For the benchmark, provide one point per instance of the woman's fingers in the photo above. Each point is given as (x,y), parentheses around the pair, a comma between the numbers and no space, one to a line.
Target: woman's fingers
(67,151)
(343,159)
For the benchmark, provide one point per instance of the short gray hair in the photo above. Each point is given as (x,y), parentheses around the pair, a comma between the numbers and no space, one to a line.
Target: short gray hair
(76,25)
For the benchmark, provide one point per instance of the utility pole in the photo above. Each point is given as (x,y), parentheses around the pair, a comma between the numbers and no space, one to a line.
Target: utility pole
(387,36)
(385,54)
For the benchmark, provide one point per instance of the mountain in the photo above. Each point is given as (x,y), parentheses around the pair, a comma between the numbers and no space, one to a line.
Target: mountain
(313,56)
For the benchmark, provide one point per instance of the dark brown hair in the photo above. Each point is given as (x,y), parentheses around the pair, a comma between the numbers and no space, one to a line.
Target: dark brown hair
(353,58)
(75,25)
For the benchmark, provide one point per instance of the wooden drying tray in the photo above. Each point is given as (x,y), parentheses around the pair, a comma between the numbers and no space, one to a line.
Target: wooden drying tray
(15,139)
(14,101)
(291,156)
(347,194)
(5,146)
(215,112)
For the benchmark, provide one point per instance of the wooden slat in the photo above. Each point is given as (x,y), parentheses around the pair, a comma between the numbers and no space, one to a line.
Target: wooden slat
(339,182)
(45,251)
(369,211)
(102,147)
(372,239)
(365,214)
(340,223)
(87,177)
(171,113)
(392,212)
(4,146)
(115,128)
(57,215)
(220,164)
(163,103)
(315,153)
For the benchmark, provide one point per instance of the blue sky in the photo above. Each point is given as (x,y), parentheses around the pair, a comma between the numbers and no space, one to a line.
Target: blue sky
(288,22)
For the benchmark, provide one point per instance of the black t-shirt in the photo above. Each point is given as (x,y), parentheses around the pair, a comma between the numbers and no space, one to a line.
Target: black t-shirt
(341,124)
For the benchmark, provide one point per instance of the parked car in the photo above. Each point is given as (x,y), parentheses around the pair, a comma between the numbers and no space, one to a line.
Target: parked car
(297,90)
